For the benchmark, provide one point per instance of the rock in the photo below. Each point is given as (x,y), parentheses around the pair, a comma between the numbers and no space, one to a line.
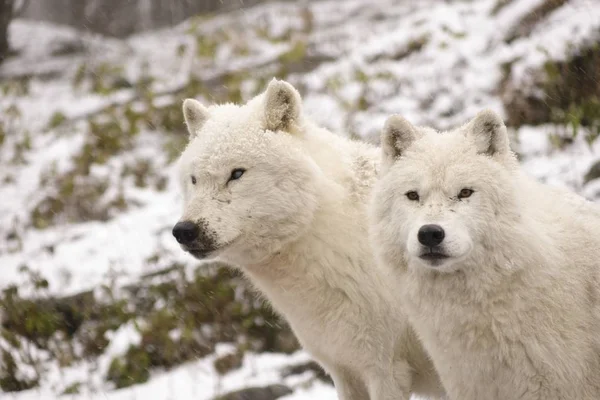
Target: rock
(593,173)
(308,366)
(270,392)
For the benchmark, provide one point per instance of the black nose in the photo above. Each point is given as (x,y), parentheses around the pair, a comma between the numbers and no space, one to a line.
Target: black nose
(186,232)
(431,235)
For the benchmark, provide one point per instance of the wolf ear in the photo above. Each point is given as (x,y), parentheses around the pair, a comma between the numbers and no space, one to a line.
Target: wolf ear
(195,115)
(282,105)
(397,135)
(488,132)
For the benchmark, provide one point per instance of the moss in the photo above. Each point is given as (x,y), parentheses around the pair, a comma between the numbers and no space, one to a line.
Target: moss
(586,113)
(12,113)
(106,78)
(103,78)
(76,200)
(415,45)
(38,320)
(73,388)
(173,333)
(161,183)
(9,381)
(16,87)
(2,134)
(168,118)
(362,102)
(75,196)
(569,94)
(296,53)
(361,76)
(232,82)
(106,139)
(180,318)
(228,362)
(133,368)
(56,120)
(53,324)
(142,171)
(22,147)
(206,46)
(450,32)
(79,75)
(334,84)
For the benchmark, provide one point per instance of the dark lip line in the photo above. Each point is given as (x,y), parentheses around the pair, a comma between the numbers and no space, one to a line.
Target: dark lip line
(433,256)
(199,253)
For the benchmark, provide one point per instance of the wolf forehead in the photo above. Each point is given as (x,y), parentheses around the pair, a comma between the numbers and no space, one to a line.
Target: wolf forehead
(440,155)
(225,146)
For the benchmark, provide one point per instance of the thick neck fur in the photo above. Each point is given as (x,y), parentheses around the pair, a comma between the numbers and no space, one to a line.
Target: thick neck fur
(315,261)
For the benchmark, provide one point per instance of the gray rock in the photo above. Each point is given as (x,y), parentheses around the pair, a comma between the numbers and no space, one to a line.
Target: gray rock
(270,392)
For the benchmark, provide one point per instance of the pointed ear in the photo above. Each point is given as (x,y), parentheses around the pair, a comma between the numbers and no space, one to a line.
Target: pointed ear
(397,135)
(488,132)
(195,115)
(282,106)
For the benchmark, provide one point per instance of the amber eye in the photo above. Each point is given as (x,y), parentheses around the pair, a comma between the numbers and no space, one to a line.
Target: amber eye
(464,193)
(193,180)
(412,195)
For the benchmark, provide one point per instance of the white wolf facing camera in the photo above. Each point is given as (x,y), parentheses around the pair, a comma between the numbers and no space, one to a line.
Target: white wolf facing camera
(269,192)
(499,274)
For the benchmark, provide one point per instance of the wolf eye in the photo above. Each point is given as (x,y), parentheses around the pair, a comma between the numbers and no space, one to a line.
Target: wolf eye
(412,195)
(193,180)
(464,193)
(236,174)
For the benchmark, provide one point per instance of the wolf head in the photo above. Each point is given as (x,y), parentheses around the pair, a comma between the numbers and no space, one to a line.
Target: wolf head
(248,186)
(442,197)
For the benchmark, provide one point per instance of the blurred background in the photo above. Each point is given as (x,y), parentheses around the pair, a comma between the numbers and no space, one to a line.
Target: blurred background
(96,298)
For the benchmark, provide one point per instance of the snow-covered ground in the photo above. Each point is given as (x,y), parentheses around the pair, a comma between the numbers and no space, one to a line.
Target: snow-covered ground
(435,62)
(199,381)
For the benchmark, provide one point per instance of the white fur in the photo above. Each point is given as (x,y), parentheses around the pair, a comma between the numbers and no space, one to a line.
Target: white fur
(295,224)
(514,312)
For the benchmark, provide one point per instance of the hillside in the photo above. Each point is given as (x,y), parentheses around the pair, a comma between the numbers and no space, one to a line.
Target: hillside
(98,299)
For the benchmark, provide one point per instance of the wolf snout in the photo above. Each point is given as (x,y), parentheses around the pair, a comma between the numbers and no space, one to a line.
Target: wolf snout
(186,232)
(431,235)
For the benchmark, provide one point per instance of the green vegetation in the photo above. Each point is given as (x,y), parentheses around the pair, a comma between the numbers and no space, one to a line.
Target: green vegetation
(56,120)
(75,195)
(570,95)
(206,46)
(103,78)
(296,53)
(171,310)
